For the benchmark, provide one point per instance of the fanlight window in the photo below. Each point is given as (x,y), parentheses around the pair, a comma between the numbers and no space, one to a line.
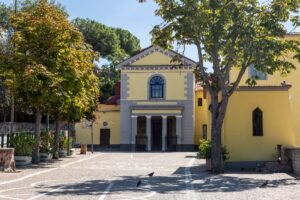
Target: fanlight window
(257,122)
(157,87)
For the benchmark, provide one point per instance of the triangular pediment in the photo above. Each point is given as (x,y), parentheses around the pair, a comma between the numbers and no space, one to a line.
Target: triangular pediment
(156,56)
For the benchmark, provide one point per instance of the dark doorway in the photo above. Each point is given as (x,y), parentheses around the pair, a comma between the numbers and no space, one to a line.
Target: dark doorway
(156,127)
(141,138)
(171,134)
(104,137)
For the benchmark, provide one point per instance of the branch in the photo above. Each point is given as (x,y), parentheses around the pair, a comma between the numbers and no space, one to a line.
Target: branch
(230,62)
(203,74)
(245,64)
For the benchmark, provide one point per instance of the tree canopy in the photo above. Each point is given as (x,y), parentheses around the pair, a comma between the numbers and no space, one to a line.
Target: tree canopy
(114,44)
(228,34)
(52,64)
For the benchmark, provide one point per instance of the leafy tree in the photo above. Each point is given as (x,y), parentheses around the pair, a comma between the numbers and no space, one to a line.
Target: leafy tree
(108,76)
(53,65)
(113,44)
(228,34)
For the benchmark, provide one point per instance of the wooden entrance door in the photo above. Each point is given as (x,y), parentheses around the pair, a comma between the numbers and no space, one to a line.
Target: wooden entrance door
(156,134)
(105,137)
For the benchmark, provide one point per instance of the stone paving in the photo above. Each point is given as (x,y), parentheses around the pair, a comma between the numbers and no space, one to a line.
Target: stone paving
(114,175)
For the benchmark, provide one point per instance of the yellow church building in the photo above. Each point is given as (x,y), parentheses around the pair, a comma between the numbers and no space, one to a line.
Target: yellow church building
(158,106)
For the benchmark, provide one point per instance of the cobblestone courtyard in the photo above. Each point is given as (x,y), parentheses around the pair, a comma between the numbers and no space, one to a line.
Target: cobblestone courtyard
(113,176)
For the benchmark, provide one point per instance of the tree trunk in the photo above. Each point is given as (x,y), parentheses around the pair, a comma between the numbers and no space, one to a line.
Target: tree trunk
(36,149)
(218,111)
(7,159)
(12,113)
(216,148)
(92,138)
(4,116)
(56,139)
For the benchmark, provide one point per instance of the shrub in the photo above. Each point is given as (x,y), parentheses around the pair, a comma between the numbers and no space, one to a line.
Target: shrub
(22,143)
(205,150)
(46,143)
(63,144)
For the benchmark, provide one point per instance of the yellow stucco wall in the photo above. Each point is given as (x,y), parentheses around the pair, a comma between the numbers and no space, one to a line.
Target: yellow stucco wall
(201,116)
(277,125)
(138,83)
(276,79)
(105,113)
(155,58)
(138,79)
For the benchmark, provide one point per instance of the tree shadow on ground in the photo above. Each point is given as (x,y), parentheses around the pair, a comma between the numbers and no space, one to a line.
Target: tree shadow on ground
(177,182)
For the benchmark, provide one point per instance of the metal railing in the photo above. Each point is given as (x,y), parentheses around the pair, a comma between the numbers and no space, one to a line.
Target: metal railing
(5,138)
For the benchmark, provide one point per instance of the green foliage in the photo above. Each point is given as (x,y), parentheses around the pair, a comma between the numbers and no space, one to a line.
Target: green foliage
(108,76)
(54,66)
(205,150)
(50,65)
(28,4)
(47,142)
(115,44)
(230,34)
(63,143)
(128,42)
(22,144)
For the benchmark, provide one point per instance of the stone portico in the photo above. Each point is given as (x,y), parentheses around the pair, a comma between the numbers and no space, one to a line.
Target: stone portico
(163,139)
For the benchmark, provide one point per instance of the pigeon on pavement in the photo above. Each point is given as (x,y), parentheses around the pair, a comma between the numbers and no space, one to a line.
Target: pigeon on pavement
(151,174)
(264,184)
(139,183)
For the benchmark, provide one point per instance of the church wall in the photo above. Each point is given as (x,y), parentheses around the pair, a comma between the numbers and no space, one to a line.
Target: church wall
(105,113)
(277,125)
(276,79)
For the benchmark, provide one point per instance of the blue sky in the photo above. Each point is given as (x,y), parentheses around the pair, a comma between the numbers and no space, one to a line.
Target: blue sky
(138,18)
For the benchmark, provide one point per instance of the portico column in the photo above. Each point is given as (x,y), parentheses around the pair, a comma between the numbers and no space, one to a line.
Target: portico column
(164,132)
(133,131)
(178,129)
(148,132)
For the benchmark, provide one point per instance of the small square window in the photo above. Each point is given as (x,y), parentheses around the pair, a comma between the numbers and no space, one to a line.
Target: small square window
(258,75)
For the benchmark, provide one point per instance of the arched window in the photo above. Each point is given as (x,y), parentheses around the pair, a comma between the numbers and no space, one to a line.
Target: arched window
(257,122)
(157,87)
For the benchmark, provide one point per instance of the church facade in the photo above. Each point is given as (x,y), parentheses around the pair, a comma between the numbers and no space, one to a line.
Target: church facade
(157,102)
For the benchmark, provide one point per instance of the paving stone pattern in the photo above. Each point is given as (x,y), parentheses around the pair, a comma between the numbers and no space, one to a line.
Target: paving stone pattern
(113,176)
